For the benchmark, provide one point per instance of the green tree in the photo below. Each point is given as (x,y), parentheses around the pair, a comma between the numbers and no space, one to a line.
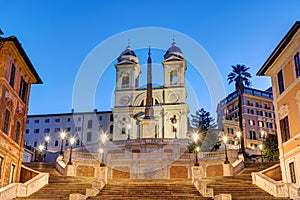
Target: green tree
(240,76)
(200,123)
(270,147)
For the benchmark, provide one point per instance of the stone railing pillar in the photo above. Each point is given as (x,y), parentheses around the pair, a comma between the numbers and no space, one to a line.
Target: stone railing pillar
(227,170)
(197,173)
(102,174)
(70,170)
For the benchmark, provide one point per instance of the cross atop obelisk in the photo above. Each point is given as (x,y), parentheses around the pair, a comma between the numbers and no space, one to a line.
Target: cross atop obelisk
(149,102)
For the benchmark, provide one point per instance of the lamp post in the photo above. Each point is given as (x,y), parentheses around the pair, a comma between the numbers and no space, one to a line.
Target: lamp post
(226,157)
(103,139)
(195,138)
(41,149)
(128,131)
(62,136)
(72,141)
(238,134)
(197,150)
(47,139)
(175,125)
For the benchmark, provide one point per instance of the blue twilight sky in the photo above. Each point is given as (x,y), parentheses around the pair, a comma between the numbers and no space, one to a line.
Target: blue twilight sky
(58,36)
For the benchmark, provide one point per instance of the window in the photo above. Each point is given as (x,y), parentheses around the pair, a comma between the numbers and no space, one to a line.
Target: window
(78,128)
(284,128)
(69,119)
(268,114)
(47,120)
(1,164)
(27,131)
(230,130)
(12,76)
(123,131)
(27,121)
(252,135)
(111,129)
(57,120)
(297,64)
(173,77)
(56,130)
(90,124)
(280,82)
(259,113)
(111,118)
(68,129)
(100,117)
(251,122)
(67,143)
(36,130)
(6,121)
(17,133)
(269,125)
(292,172)
(78,142)
(125,80)
(23,90)
(35,144)
(47,130)
(56,143)
(79,119)
(250,111)
(260,123)
(257,104)
(12,173)
(89,137)
(36,121)
(267,106)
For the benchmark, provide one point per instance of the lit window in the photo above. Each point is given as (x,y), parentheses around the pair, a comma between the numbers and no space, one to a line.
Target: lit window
(260,123)
(251,122)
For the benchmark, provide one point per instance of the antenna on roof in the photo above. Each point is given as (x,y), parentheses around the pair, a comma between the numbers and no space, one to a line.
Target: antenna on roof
(128,41)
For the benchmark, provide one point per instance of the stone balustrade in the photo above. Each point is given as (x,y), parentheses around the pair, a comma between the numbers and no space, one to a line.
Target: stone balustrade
(275,188)
(14,190)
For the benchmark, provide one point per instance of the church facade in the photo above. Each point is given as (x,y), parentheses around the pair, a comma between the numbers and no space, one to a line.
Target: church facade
(168,101)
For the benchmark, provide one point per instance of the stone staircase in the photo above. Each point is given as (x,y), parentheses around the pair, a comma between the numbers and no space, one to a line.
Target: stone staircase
(240,186)
(59,187)
(149,189)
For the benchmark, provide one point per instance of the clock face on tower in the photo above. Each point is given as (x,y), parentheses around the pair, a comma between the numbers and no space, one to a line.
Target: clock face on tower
(124,100)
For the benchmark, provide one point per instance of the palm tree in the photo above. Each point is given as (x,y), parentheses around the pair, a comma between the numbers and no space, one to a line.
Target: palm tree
(240,76)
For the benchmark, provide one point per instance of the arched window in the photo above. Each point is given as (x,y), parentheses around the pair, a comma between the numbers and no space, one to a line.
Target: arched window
(35,144)
(142,103)
(125,80)
(56,143)
(173,77)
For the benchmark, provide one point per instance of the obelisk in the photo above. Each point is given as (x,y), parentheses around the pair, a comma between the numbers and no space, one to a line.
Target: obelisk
(149,123)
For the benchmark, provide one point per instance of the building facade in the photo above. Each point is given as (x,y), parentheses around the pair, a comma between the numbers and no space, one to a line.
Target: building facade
(258,118)
(169,100)
(283,66)
(16,76)
(85,127)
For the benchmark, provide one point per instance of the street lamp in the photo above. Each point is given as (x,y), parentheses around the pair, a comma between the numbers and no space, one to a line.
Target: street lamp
(62,136)
(103,139)
(128,131)
(47,139)
(72,141)
(41,149)
(261,152)
(195,138)
(238,134)
(197,150)
(175,125)
(226,157)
